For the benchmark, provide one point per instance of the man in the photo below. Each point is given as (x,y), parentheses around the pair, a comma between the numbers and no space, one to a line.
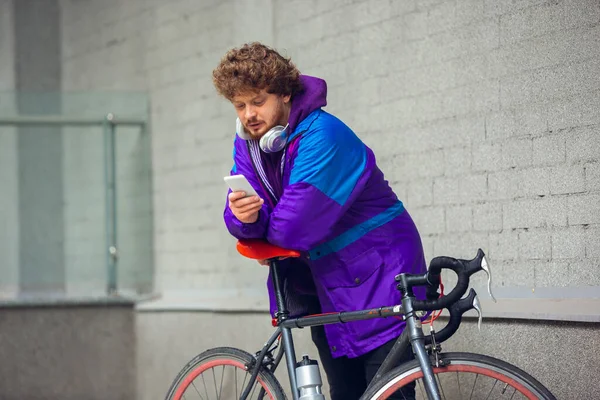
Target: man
(320,192)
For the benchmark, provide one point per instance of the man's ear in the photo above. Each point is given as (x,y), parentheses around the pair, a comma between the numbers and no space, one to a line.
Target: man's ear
(286,98)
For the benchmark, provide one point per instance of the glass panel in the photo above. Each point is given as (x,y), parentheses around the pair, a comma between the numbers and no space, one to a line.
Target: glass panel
(134,211)
(54,198)
(84,210)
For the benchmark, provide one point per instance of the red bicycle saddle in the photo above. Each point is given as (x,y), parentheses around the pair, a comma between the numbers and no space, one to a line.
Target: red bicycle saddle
(261,250)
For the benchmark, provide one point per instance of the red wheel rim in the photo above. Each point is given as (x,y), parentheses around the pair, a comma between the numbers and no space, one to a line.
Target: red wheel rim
(461,368)
(201,368)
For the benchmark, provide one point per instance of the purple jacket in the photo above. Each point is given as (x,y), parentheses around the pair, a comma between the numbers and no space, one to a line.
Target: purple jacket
(325,196)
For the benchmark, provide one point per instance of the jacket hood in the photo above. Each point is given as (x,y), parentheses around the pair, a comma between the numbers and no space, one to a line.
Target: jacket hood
(312,97)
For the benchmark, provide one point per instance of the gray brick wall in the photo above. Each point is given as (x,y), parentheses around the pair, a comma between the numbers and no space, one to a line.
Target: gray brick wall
(493,110)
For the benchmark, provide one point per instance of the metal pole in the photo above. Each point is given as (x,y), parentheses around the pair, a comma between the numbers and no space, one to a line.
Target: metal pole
(111,203)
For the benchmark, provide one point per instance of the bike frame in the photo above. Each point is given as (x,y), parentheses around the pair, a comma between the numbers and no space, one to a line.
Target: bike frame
(412,334)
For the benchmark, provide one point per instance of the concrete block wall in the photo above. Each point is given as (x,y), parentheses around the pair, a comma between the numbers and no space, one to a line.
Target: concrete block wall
(68,351)
(483,116)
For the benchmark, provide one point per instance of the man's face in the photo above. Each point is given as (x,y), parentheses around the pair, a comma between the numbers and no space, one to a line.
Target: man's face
(260,111)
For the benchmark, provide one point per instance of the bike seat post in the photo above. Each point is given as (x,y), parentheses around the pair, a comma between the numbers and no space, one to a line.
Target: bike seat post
(282,311)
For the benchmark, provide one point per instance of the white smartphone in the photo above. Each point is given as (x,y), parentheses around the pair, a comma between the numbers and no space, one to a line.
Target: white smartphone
(240,183)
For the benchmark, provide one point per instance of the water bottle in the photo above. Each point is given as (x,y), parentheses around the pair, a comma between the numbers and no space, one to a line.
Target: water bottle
(308,378)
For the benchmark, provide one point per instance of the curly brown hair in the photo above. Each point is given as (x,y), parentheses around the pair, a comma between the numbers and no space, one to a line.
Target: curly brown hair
(254,67)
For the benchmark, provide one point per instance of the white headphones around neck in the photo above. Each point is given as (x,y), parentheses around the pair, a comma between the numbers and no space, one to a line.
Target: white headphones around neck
(271,142)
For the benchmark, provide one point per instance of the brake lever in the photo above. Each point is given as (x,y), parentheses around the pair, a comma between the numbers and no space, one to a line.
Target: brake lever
(486,268)
(477,306)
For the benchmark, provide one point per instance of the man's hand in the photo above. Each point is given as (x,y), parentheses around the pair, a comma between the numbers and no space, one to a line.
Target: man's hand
(245,209)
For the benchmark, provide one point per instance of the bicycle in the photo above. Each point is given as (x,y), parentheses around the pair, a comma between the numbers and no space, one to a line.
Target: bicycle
(435,375)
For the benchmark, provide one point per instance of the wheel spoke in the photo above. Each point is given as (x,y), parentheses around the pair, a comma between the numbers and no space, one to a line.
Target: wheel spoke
(197,391)
(222,376)
(205,388)
(491,390)
(402,393)
(473,388)
(440,385)
(215,379)
(458,383)
(244,383)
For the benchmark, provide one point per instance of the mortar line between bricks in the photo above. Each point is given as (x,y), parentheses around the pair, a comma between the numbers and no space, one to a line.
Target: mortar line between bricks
(500,94)
(486,52)
(428,35)
(397,70)
(553,100)
(424,124)
(485,132)
(189,57)
(512,106)
(520,10)
(197,11)
(555,132)
(348,7)
(519,43)
(420,95)
(550,32)
(519,105)
(214,30)
(553,66)
(141,32)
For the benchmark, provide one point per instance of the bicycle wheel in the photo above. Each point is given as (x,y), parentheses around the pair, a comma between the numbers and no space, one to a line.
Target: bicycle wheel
(464,376)
(220,373)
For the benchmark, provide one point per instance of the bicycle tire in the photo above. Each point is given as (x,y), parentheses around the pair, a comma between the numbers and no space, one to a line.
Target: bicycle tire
(491,367)
(223,356)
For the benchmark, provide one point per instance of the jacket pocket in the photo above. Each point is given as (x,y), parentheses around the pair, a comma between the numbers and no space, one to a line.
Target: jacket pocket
(354,272)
